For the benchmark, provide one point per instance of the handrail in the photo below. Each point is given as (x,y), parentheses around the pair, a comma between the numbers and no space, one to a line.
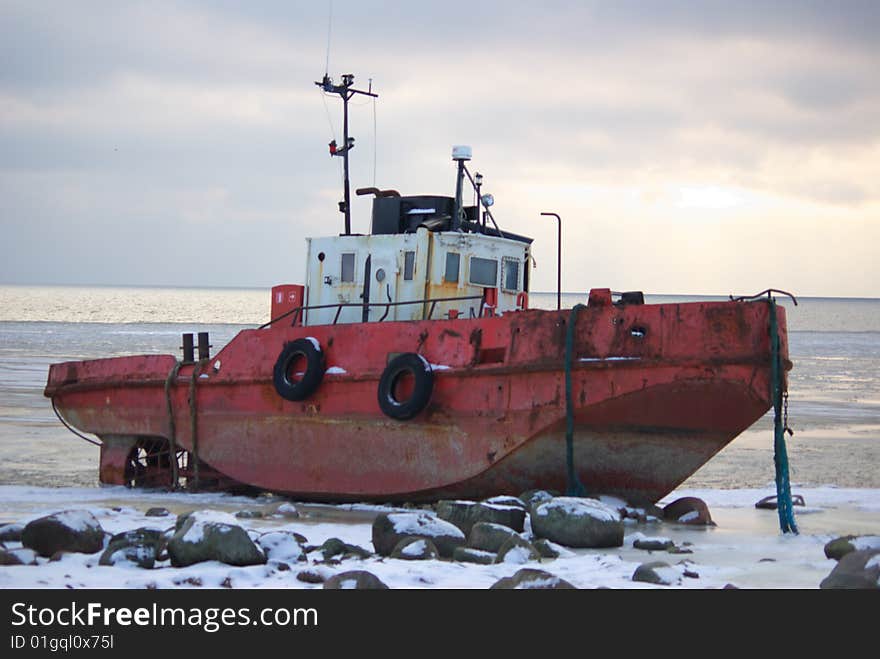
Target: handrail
(339,306)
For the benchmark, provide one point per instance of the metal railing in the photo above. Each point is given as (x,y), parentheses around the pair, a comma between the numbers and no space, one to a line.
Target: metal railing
(298,311)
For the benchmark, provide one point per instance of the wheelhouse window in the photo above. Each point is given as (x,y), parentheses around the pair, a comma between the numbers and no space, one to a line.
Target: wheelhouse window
(348,267)
(453,262)
(484,272)
(510,269)
(409,265)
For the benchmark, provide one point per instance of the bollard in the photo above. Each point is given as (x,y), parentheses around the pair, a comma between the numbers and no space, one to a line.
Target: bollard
(204,347)
(187,348)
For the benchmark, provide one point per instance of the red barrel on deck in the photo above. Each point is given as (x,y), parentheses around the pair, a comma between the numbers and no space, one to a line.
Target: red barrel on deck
(286,298)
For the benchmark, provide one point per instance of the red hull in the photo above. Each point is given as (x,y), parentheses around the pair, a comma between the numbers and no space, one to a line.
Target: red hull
(657,391)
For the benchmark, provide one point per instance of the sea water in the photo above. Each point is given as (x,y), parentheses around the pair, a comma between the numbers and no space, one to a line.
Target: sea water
(834,387)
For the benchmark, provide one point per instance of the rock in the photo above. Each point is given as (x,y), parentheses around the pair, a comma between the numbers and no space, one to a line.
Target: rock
(415,549)
(334,547)
(21,556)
(488,536)
(577,522)
(549,549)
(281,546)
(391,528)
(517,550)
(70,530)
(531,497)
(471,555)
(653,544)
(198,540)
(355,579)
(688,510)
(11,532)
(310,576)
(770,502)
(840,547)
(249,514)
(858,569)
(287,510)
(141,547)
(528,578)
(506,500)
(464,514)
(657,572)
(157,512)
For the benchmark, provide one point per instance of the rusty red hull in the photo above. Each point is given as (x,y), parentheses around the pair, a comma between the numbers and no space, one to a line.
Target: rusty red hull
(657,390)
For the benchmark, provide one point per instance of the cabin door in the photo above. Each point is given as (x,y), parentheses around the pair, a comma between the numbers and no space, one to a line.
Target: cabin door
(383,286)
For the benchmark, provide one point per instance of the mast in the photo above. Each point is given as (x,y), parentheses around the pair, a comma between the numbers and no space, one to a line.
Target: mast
(346,91)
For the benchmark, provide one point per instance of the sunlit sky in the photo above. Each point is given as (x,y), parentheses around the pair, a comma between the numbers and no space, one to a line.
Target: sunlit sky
(690,147)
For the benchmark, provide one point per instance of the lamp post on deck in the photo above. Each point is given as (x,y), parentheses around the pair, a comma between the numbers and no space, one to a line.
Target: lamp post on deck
(558,259)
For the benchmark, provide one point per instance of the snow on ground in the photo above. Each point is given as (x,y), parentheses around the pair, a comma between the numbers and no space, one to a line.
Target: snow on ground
(745,549)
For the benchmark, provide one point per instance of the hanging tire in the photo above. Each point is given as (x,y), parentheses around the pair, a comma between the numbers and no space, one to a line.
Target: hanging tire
(299,369)
(409,364)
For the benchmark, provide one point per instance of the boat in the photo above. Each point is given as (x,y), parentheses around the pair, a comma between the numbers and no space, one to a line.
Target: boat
(409,366)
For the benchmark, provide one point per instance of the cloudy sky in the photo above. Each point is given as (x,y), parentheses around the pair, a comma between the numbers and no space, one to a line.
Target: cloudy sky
(690,147)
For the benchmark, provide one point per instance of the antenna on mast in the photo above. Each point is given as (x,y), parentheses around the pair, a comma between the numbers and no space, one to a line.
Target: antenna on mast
(345,91)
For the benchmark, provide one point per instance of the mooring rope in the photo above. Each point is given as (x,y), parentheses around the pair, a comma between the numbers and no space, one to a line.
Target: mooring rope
(574,488)
(780,455)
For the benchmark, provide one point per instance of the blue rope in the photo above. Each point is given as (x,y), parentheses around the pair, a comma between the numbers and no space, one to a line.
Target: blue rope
(780,455)
(574,488)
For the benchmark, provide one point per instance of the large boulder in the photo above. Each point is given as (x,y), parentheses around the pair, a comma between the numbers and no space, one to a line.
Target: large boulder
(528,578)
(855,570)
(141,547)
(355,580)
(688,510)
(488,536)
(577,522)
(464,514)
(840,547)
(391,528)
(199,540)
(69,530)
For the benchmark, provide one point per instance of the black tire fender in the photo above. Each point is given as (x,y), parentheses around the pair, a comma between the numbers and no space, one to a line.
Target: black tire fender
(423,386)
(293,389)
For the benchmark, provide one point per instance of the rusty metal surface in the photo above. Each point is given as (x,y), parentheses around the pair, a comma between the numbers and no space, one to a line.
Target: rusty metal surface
(658,390)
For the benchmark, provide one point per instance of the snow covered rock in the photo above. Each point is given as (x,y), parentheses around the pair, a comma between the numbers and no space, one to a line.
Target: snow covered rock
(11,532)
(688,510)
(858,569)
(488,536)
(281,546)
(391,528)
(549,549)
(355,580)
(200,540)
(19,556)
(657,572)
(528,578)
(471,555)
(840,547)
(577,522)
(334,547)
(70,530)
(141,547)
(415,549)
(517,550)
(157,512)
(464,514)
